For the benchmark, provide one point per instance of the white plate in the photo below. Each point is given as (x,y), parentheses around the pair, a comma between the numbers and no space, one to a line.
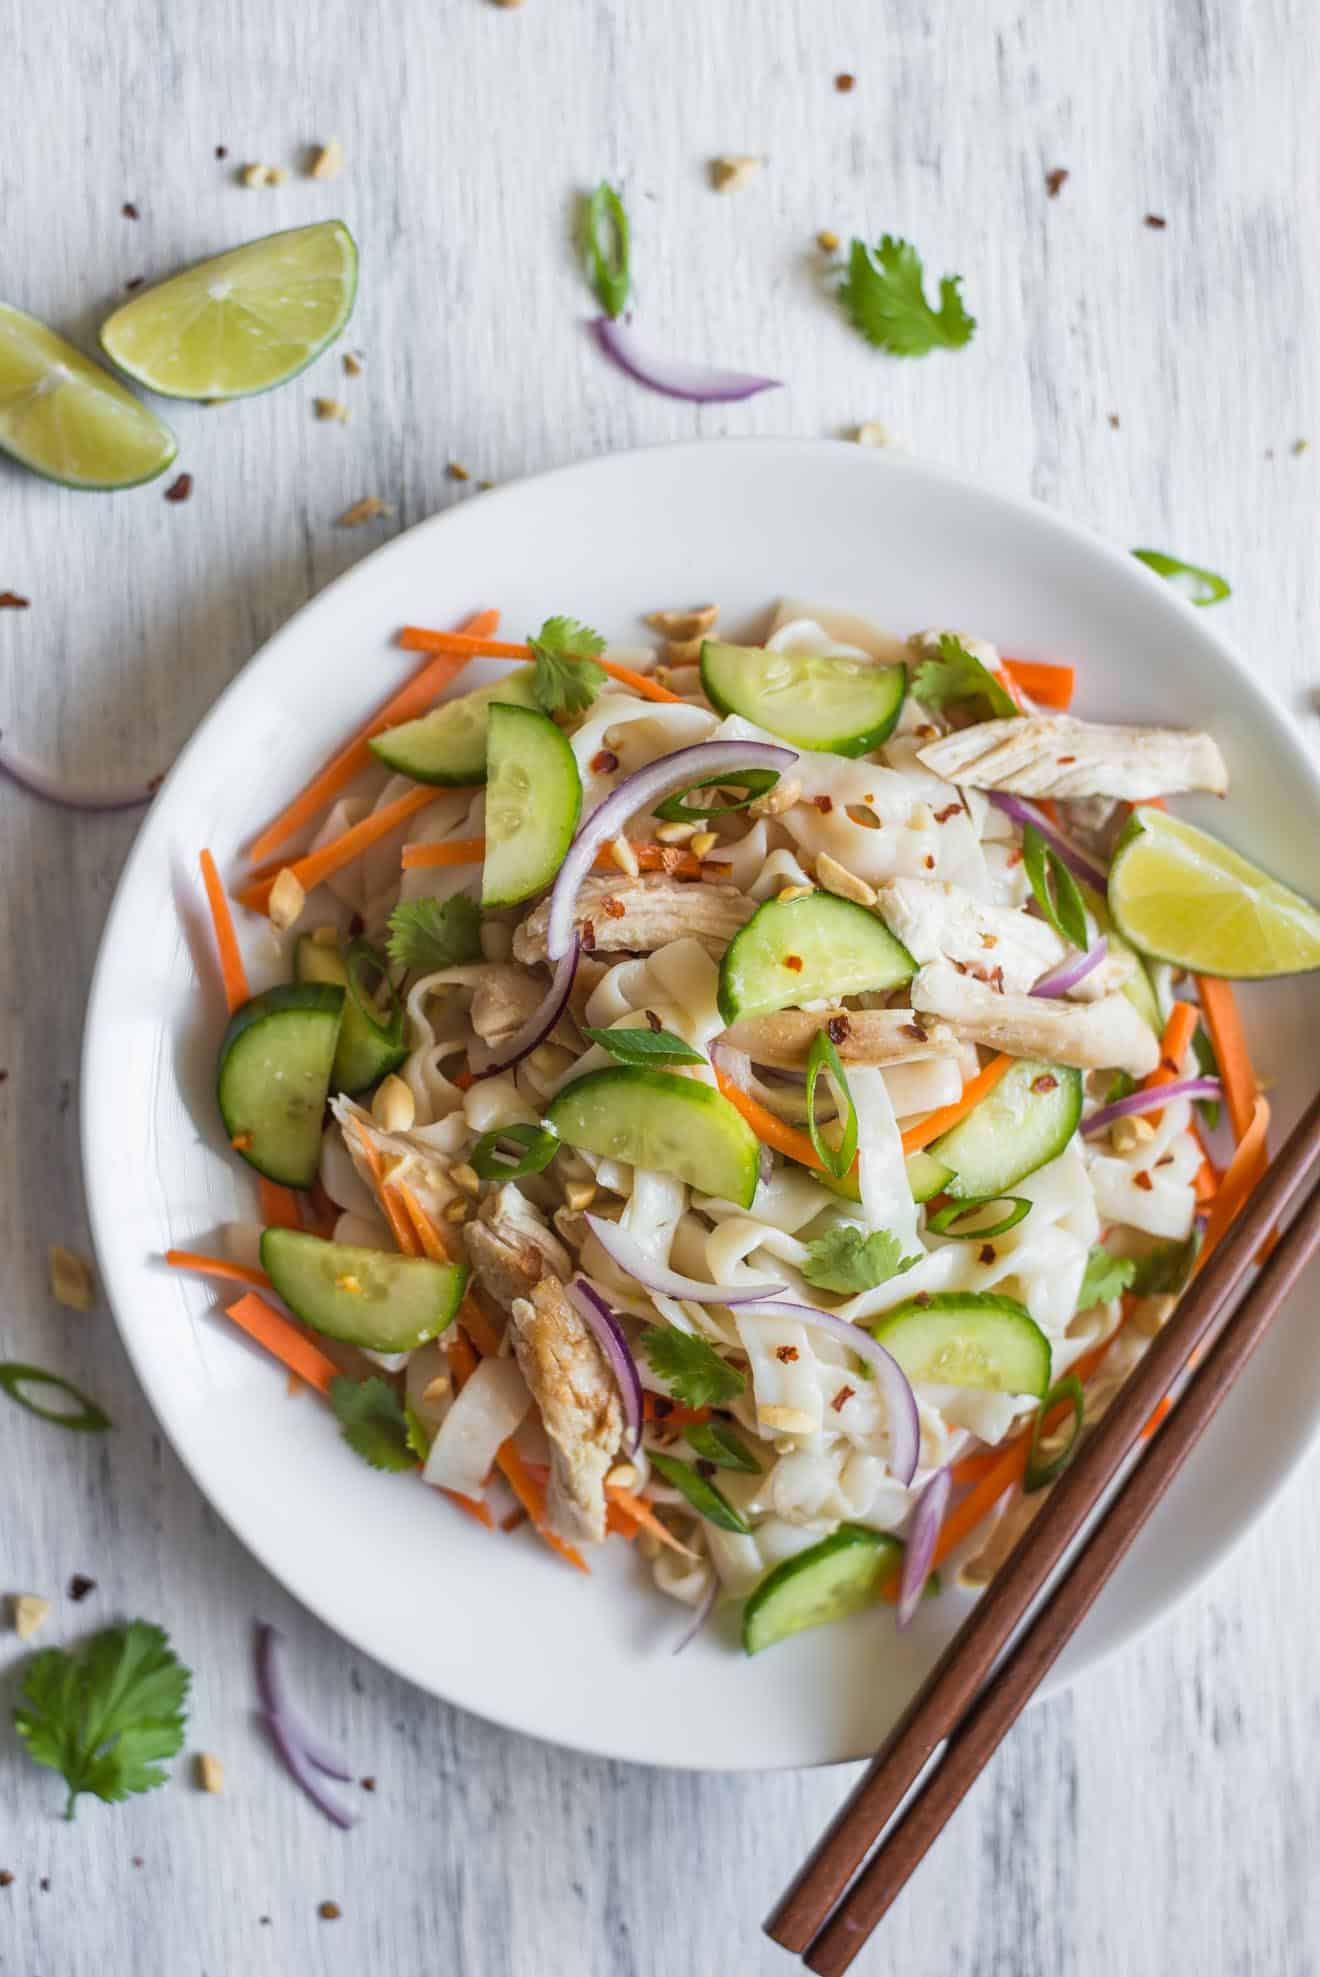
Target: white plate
(490,1622)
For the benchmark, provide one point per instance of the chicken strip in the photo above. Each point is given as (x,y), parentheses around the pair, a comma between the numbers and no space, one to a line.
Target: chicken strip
(937,921)
(579,1402)
(1055,755)
(639,915)
(863,1036)
(511,1248)
(1095,1036)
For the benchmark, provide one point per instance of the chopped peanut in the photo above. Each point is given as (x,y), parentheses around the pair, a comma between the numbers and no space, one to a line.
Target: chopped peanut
(365,510)
(457,1209)
(210,1772)
(457,472)
(254,175)
(838,879)
(436,1390)
(783,796)
(621,1477)
(579,1195)
(790,893)
(325,937)
(729,174)
(287,899)
(684,624)
(624,857)
(790,1420)
(394,1108)
(675,833)
(331,410)
(1126,1135)
(353,365)
(29,1613)
(72,1281)
(827,241)
(704,843)
(329,160)
(467,1178)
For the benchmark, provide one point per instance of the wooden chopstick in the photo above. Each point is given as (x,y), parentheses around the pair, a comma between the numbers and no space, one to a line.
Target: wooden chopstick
(996,1709)
(967,1662)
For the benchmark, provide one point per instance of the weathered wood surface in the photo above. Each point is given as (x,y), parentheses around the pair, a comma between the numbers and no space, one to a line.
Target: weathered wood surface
(1153,382)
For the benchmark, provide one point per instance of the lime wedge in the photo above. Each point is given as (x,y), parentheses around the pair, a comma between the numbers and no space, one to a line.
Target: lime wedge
(1180,895)
(243,322)
(65,417)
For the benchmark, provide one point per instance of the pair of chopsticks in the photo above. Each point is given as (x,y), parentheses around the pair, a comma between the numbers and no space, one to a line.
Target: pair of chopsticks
(967,1700)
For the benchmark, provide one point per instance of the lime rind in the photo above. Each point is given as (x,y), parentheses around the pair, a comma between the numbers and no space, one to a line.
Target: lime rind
(1181,896)
(64,417)
(243,322)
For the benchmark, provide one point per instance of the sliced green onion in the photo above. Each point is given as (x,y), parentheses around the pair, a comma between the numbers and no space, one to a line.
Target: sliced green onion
(1189,579)
(824,1057)
(1121,1085)
(90,1421)
(755,781)
(1042,1470)
(605,245)
(539,1143)
(715,1443)
(361,957)
(638,1046)
(942,1221)
(1208,1064)
(1054,889)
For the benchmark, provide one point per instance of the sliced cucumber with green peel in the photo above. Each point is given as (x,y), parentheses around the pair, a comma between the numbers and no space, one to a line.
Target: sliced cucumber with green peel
(274,1078)
(370,1038)
(801,950)
(968,1339)
(533,801)
(927,1176)
(664,1122)
(371,1298)
(1027,1120)
(448,745)
(829,701)
(845,1573)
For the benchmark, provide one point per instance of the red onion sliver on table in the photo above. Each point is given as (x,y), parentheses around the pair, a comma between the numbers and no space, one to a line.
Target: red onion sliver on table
(1024,813)
(1067,975)
(631,1257)
(302,1750)
(900,1401)
(639,792)
(71,795)
(541,1021)
(700,384)
(1151,1100)
(609,1336)
(920,1547)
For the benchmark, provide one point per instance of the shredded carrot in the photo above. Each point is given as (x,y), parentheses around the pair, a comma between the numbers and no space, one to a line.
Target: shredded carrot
(936,1123)
(1229,1039)
(478,1327)
(433,1243)
(1048,808)
(458,851)
(471,850)
(216,1266)
(279,1205)
(641,1512)
(1049,686)
(412,699)
(655,1407)
(232,972)
(783,1138)
(619,1523)
(395,1215)
(331,858)
(649,689)
(478,1512)
(284,1341)
(417,638)
(531,1496)
(1178,1033)
(1245,1172)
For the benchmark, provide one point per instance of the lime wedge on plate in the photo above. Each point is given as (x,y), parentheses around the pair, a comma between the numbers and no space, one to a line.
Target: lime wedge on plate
(243,322)
(65,417)
(1180,895)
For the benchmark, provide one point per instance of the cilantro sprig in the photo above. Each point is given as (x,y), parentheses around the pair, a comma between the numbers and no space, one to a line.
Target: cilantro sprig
(108,1716)
(426,934)
(373,1423)
(565,676)
(692,1370)
(952,673)
(845,1260)
(884,294)
(1054,889)
(1105,1277)
(642,1047)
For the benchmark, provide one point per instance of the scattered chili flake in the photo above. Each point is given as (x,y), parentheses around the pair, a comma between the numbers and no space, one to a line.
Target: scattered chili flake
(134,281)
(661,1405)
(1113,420)
(1045,1082)
(180,489)
(929,861)
(1165,1161)
(788,1353)
(653,1022)
(837,1028)
(6,1878)
(1055,181)
(1143,1180)
(1063,760)
(588,936)
(11,601)
(824,804)
(3,1076)
(604,762)
(129,210)
(996,980)
(1015,856)
(80,1585)
(613,909)
(986,1253)
(329,1911)
(1156,221)
(137,1860)
(222,150)
(842,1398)
(369,1784)
(793,961)
(705,1467)
(913,1030)
(44,1884)
(457,472)
(921,1297)
(845,83)
(949,810)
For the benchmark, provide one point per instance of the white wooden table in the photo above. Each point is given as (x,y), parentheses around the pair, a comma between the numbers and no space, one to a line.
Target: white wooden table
(1150,381)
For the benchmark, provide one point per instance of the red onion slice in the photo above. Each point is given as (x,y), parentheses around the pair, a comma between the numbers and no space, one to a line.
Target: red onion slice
(700,384)
(541,1021)
(920,1547)
(900,1401)
(1024,813)
(700,1616)
(1067,975)
(609,1336)
(303,1751)
(627,1252)
(71,795)
(641,791)
(1152,1100)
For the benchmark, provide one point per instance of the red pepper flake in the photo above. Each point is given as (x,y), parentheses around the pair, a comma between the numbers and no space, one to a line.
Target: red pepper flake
(1045,1082)
(989,940)
(588,936)
(842,1398)
(80,1585)
(1143,1180)
(1055,181)
(604,762)
(1014,857)
(6,1878)
(1064,760)
(793,961)
(1156,221)
(929,861)
(838,1028)
(845,83)
(653,1022)
(949,810)
(329,1911)
(222,150)
(996,979)
(1113,421)
(659,1405)
(925,730)
(824,804)
(369,1784)
(11,601)
(129,210)
(705,1467)
(913,1030)
(788,1353)
(134,281)
(613,909)
(1165,1161)
(986,1253)
(180,489)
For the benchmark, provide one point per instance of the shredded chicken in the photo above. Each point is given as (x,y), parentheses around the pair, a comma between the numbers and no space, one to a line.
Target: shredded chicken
(862,1036)
(1105,1035)
(511,1248)
(579,1402)
(937,921)
(639,915)
(503,1000)
(1055,755)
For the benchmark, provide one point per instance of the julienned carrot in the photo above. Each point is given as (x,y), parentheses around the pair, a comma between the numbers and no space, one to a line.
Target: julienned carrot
(433,1243)
(1244,1173)
(657,1407)
(412,699)
(232,972)
(783,1138)
(531,1496)
(441,1249)
(331,858)
(1049,686)
(1179,1030)
(935,1123)
(641,1512)
(279,1205)
(217,1266)
(458,851)
(395,1214)
(417,638)
(1241,1090)
(283,1339)
(471,851)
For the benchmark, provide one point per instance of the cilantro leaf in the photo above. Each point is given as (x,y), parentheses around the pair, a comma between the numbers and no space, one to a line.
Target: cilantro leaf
(108,1717)
(958,674)
(372,1422)
(884,294)
(713,1442)
(645,1046)
(1105,1277)
(416,1434)
(566,678)
(843,1259)
(430,933)
(692,1370)
(1164,1270)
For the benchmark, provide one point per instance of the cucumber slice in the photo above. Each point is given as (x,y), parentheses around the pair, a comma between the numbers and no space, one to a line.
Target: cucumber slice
(798,950)
(968,1339)
(927,1176)
(366,1297)
(1013,1131)
(661,1121)
(533,801)
(448,745)
(846,706)
(367,1047)
(843,1574)
(273,1078)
